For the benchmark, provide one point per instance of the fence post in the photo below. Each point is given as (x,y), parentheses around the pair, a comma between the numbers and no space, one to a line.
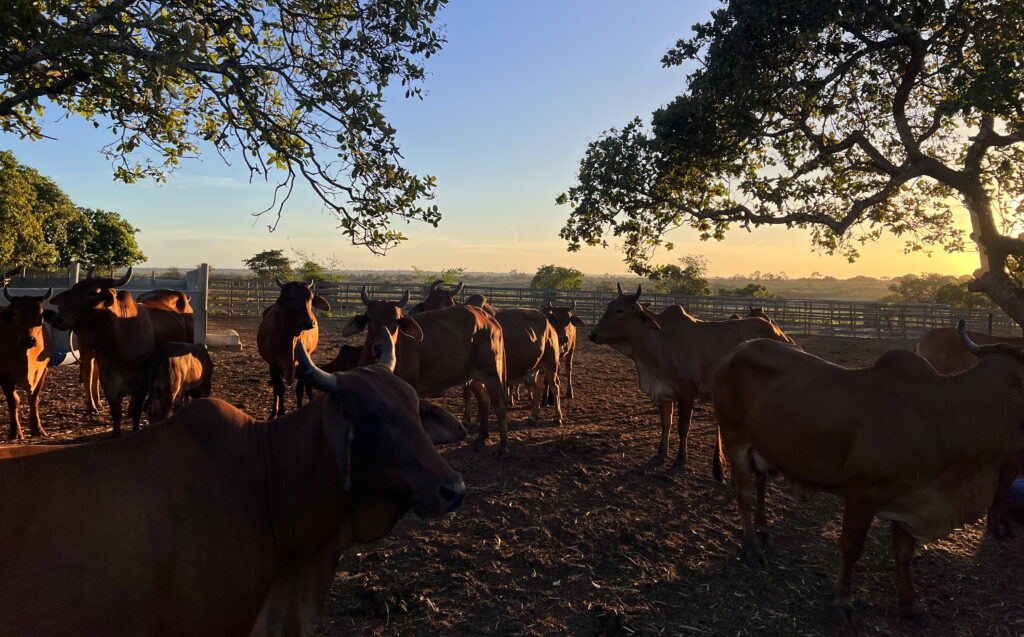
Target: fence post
(199,282)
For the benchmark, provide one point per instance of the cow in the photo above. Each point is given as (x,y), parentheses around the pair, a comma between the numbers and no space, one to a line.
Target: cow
(123,334)
(945,351)
(440,349)
(178,372)
(88,373)
(285,323)
(212,523)
(897,440)
(347,358)
(437,298)
(531,356)
(565,322)
(674,354)
(25,348)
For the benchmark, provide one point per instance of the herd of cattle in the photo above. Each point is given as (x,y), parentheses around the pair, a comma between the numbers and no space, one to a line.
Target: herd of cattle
(117,535)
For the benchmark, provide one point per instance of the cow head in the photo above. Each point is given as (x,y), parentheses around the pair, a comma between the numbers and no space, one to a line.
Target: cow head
(438,297)
(565,322)
(296,302)
(24,318)
(623,316)
(86,300)
(380,438)
(383,314)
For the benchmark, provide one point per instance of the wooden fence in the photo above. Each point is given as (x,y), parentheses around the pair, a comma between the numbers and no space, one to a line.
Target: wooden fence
(249,297)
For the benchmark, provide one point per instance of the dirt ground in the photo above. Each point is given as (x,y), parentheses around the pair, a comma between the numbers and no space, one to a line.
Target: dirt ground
(569,536)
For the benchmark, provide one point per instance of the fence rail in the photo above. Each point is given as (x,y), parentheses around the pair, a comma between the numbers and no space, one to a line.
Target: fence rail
(249,297)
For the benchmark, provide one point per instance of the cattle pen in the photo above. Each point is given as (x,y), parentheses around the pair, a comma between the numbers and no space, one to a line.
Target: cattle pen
(864,319)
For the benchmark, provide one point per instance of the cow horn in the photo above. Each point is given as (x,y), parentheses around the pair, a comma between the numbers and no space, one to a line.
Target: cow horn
(549,304)
(458,288)
(405,299)
(125,279)
(280,283)
(7,295)
(433,286)
(619,286)
(972,347)
(364,296)
(637,296)
(315,376)
(311,283)
(387,355)
(46,297)
(572,307)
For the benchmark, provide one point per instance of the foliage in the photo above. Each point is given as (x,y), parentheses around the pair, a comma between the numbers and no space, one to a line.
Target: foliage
(112,244)
(295,87)
(688,279)
(847,118)
(935,288)
(171,273)
(556,277)
(312,268)
(39,225)
(750,290)
(270,264)
(451,276)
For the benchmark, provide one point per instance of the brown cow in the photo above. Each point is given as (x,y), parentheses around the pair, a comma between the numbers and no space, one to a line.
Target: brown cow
(88,373)
(124,334)
(896,439)
(565,321)
(441,349)
(25,348)
(945,351)
(437,298)
(674,355)
(531,356)
(285,323)
(213,524)
(178,372)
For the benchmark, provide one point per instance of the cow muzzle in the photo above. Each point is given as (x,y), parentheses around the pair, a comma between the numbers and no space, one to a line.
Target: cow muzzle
(28,342)
(448,497)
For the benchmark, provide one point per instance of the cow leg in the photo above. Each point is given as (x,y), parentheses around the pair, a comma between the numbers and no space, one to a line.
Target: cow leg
(856,522)
(568,374)
(33,406)
(86,374)
(277,383)
(685,412)
(550,379)
(135,405)
(13,400)
(483,408)
(903,552)
(115,413)
(718,462)
(743,484)
(300,388)
(496,391)
(467,396)
(665,409)
(760,516)
(999,525)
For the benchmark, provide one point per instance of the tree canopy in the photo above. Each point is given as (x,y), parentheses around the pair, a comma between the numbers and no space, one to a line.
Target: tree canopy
(689,277)
(270,264)
(293,87)
(112,241)
(847,118)
(935,288)
(556,277)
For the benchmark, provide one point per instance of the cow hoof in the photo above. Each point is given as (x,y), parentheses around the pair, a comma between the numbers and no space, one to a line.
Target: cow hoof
(755,558)
(480,442)
(530,421)
(999,527)
(842,614)
(501,453)
(557,422)
(677,466)
(915,615)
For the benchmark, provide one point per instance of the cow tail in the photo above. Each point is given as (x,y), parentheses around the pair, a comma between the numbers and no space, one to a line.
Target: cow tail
(718,462)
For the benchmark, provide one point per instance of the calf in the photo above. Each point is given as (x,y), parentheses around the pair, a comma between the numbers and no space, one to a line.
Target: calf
(565,322)
(177,373)
(25,348)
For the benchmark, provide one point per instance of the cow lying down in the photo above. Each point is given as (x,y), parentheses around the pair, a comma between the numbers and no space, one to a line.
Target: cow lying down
(897,440)
(212,523)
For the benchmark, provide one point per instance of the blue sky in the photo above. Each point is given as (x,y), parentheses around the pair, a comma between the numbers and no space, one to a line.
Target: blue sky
(511,102)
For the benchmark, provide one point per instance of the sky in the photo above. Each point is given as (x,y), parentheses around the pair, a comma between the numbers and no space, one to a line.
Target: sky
(510,104)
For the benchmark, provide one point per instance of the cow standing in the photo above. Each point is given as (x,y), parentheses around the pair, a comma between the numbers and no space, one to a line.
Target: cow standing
(211,523)
(896,440)
(674,355)
(286,323)
(565,322)
(124,335)
(178,372)
(441,349)
(943,348)
(25,348)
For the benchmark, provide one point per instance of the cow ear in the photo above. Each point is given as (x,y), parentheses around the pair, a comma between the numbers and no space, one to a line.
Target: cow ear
(321,303)
(356,325)
(442,428)
(57,300)
(339,436)
(411,328)
(108,297)
(577,321)
(649,320)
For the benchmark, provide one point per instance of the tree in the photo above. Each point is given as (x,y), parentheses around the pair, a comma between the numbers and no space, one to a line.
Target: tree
(555,277)
(295,87)
(690,279)
(113,243)
(845,117)
(270,264)
(751,290)
(935,288)
(39,225)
